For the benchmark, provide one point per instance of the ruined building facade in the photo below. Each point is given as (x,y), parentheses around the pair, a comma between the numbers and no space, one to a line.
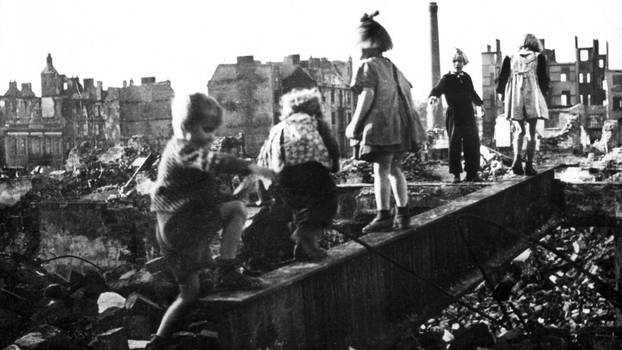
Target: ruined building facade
(584,82)
(42,130)
(614,94)
(249,92)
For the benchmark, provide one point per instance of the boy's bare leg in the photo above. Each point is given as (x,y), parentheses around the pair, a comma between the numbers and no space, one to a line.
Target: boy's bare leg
(233,214)
(188,293)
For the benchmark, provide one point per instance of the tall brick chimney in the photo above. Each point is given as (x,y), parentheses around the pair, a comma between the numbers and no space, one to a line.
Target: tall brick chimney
(434,115)
(436,62)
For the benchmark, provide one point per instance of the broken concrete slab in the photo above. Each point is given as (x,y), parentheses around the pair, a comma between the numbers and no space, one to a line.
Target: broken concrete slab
(44,337)
(114,339)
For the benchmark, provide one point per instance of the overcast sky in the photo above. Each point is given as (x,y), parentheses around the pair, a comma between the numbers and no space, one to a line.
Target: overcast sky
(184,41)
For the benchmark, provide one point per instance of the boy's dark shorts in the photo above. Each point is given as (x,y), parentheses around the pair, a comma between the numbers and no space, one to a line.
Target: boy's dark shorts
(184,238)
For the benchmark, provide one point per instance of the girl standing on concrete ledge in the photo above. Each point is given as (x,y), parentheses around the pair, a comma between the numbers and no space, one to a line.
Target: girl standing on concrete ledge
(522,83)
(385,123)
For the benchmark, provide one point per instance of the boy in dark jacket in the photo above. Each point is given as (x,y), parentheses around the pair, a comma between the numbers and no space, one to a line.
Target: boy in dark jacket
(460,94)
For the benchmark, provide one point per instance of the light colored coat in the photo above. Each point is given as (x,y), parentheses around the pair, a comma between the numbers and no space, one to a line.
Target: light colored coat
(523,97)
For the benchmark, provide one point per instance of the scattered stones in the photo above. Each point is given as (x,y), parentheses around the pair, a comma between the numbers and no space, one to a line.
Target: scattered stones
(45,337)
(559,304)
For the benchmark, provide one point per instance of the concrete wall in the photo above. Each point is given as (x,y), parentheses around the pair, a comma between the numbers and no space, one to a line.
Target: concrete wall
(353,297)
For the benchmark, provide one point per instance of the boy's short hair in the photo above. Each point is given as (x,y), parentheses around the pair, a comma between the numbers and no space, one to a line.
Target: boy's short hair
(373,35)
(196,108)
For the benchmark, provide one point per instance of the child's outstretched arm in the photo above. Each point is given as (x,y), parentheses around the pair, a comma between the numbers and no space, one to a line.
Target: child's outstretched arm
(216,162)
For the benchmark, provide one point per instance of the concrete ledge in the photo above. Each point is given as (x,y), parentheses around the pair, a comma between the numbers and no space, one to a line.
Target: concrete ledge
(352,297)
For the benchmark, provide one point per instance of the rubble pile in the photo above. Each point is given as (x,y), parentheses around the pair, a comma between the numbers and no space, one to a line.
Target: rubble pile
(494,165)
(415,169)
(561,306)
(610,137)
(569,137)
(94,310)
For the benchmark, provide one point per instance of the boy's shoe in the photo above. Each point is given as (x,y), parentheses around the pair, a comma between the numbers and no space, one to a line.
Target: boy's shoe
(473,177)
(306,252)
(307,246)
(456,179)
(529,170)
(160,343)
(229,277)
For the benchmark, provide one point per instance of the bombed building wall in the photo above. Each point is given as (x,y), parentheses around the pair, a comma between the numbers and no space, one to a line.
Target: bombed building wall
(333,79)
(491,66)
(42,130)
(29,136)
(146,110)
(246,92)
(614,94)
(249,92)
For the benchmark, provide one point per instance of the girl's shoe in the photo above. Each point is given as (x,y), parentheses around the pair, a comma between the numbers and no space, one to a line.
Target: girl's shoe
(382,222)
(378,224)
(402,218)
(529,170)
(517,166)
(401,222)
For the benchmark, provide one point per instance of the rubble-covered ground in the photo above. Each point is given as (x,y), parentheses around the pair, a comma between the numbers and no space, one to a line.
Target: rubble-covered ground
(44,310)
(561,307)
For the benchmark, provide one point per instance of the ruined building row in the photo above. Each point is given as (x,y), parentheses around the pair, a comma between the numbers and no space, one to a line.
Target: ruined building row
(585,86)
(249,91)
(41,130)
